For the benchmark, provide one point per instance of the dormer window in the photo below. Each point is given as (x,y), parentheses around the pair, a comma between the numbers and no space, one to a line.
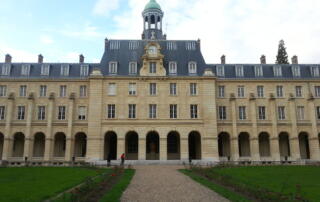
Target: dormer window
(113,66)
(220,70)
(84,70)
(173,68)
(239,71)
(277,71)
(258,71)
(25,70)
(133,68)
(192,67)
(6,69)
(152,67)
(296,71)
(315,71)
(64,70)
(45,70)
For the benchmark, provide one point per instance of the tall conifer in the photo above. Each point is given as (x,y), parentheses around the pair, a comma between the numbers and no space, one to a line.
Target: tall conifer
(282,57)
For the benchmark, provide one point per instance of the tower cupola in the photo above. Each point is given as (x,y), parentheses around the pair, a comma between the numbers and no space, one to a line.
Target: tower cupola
(152,21)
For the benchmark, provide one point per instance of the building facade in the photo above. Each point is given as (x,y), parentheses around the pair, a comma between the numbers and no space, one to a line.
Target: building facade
(157,99)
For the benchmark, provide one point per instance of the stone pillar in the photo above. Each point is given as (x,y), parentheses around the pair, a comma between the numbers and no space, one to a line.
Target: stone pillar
(142,148)
(294,140)
(70,139)
(184,149)
(48,150)
(313,137)
(254,143)
(28,136)
(8,138)
(274,137)
(234,144)
(121,147)
(163,149)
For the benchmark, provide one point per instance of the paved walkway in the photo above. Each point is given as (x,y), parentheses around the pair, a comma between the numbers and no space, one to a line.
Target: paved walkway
(165,183)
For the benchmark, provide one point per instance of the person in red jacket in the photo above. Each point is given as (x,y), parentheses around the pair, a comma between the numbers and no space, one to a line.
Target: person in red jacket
(122,159)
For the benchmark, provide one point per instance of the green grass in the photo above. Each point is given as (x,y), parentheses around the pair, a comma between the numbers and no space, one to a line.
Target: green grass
(232,196)
(116,191)
(39,183)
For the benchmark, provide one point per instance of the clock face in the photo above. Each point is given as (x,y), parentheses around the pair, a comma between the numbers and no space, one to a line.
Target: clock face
(152,50)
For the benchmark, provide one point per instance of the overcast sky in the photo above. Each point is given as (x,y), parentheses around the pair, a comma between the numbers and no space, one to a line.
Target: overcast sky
(243,30)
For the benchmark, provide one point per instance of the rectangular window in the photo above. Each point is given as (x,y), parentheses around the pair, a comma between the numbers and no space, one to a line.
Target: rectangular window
(111,111)
(61,113)
(152,67)
(296,71)
(84,70)
(222,110)
(220,71)
(132,111)
(25,70)
(279,91)
(281,113)
(221,92)
(113,66)
(242,113)
(2,112)
(152,111)
(63,91)
(258,71)
(298,91)
(132,89)
(153,88)
(173,89)
(112,89)
(262,113)
(193,89)
(6,69)
(317,91)
(172,68)
(41,112)
(3,91)
(133,68)
(45,70)
(83,91)
(23,91)
(82,112)
(315,71)
(239,71)
(277,71)
(173,111)
(64,70)
(300,113)
(194,111)
(318,113)
(21,112)
(192,67)
(43,91)
(240,91)
(260,91)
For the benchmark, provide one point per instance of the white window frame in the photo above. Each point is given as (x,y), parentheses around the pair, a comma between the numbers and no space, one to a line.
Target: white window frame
(222,113)
(132,111)
(2,112)
(43,91)
(192,66)
(64,71)
(173,111)
(172,68)
(194,111)
(296,71)
(111,111)
(112,89)
(6,70)
(63,91)
(242,113)
(82,113)
(25,70)
(258,70)
(83,91)
(41,113)
(3,90)
(132,89)
(23,91)
(45,70)
(315,72)
(133,68)
(21,112)
(173,89)
(281,113)
(84,70)
(61,113)
(299,91)
(317,91)
(220,70)
(277,71)
(300,113)
(261,112)
(221,91)
(260,91)
(239,71)
(152,67)
(152,111)
(279,90)
(241,92)
(113,68)
(193,89)
(153,89)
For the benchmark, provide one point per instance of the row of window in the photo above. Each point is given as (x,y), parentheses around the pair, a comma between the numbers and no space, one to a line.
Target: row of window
(261,91)
(111,112)
(277,71)
(261,115)
(171,45)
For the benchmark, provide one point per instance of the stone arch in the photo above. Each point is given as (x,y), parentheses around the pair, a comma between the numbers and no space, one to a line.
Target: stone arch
(1,145)
(80,145)
(264,144)
(39,143)
(18,145)
(224,144)
(304,145)
(132,145)
(173,146)
(110,145)
(59,145)
(244,144)
(152,146)
(194,141)
(284,145)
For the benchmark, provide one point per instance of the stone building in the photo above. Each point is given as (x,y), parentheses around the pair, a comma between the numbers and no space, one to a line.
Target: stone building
(157,99)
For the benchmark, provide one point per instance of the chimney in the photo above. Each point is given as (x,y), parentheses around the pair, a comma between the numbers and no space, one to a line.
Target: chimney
(223,59)
(81,58)
(40,58)
(263,60)
(8,59)
(294,60)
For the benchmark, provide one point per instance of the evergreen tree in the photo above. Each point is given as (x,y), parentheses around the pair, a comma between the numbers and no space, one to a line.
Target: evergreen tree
(282,57)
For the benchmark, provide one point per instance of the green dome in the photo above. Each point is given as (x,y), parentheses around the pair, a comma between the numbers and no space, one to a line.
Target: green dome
(152,5)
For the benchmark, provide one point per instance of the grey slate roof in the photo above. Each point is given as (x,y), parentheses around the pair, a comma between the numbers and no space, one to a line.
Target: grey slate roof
(125,51)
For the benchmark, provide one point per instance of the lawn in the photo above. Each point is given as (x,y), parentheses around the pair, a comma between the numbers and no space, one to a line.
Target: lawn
(303,181)
(39,183)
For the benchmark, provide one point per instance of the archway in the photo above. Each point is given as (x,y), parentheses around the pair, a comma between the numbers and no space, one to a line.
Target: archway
(110,145)
(244,145)
(152,146)
(264,145)
(224,145)
(173,146)
(80,145)
(1,145)
(18,145)
(304,145)
(284,145)
(59,145)
(132,146)
(39,145)
(194,140)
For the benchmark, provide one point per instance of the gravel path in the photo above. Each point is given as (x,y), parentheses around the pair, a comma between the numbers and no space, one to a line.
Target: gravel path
(165,183)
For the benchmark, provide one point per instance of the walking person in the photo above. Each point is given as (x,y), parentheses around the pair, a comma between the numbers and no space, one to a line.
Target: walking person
(122,159)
